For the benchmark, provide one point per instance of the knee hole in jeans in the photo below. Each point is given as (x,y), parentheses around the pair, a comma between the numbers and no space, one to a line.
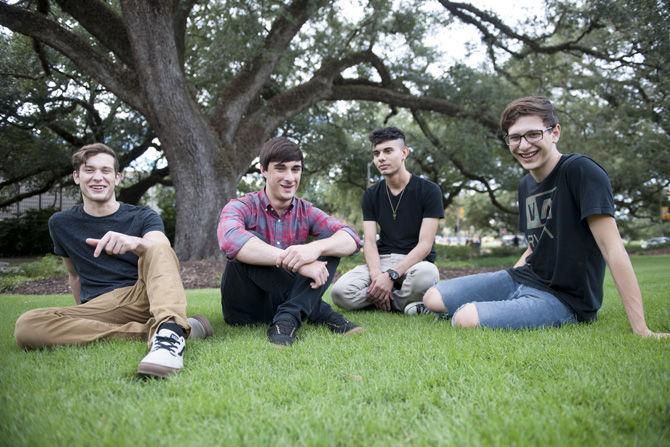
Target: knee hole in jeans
(466,316)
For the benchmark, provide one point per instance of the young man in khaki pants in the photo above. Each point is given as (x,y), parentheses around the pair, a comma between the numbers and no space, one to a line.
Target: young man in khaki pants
(122,272)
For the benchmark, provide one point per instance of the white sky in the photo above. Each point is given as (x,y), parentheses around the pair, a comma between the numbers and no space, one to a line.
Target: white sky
(459,35)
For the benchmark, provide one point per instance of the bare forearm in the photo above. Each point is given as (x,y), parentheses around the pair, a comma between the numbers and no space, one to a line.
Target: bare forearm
(75,287)
(522,259)
(629,289)
(415,256)
(257,252)
(422,249)
(339,245)
(371,255)
(606,234)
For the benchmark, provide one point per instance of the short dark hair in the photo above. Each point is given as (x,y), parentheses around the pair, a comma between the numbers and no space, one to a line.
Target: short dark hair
(280,149)
(528,106)
(386,134)
(79,158)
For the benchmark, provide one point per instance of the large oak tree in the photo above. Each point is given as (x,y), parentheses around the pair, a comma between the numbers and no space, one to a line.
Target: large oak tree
(215,80)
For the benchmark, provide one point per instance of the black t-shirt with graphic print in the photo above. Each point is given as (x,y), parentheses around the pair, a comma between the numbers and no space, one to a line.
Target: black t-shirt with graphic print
(69,230)
(421,198)
(566,260)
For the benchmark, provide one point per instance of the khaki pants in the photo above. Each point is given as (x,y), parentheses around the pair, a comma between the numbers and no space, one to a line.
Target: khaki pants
(128,312)
(351,290)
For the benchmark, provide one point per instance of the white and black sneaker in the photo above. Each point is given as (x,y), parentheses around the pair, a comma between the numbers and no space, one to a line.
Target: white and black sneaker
(417,308)
(166,356)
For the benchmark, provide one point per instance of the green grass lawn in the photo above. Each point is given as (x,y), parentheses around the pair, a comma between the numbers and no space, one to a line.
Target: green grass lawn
(405,381)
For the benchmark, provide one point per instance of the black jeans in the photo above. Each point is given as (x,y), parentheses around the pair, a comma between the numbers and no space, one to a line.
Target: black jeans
(252,294)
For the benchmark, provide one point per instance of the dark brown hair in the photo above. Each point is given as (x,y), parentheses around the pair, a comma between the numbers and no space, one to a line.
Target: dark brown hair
(386,134)
(79,158)
(528,106)
(280,149)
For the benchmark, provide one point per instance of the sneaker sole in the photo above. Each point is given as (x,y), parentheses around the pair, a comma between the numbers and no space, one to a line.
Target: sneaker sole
(354,331)
(209,331)
(153,370)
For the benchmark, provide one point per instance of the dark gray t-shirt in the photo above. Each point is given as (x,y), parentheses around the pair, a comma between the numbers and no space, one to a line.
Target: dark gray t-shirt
(69,230)
(566,260)
(421,198)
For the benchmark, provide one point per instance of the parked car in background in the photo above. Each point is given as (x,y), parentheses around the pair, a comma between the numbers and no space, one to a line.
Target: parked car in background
(655,242)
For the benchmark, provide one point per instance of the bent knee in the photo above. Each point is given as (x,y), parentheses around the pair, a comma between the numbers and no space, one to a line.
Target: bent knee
(27,331)
(338,293)
(424,275)
(466,316)
(159,251)
(432,299)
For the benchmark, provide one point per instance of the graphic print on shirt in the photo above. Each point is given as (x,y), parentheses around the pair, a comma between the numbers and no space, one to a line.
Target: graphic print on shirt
(538,214)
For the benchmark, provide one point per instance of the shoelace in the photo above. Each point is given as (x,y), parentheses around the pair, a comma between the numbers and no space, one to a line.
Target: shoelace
(337,323)
(284,328)
(167,343)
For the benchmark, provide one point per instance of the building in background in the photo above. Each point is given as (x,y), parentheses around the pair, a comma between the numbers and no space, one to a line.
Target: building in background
(58,197)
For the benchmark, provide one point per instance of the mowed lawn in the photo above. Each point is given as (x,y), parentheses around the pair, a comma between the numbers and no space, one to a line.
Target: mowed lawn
(405,381)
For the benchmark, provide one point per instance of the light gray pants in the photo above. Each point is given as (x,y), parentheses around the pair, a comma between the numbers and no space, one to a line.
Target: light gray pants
(350,292)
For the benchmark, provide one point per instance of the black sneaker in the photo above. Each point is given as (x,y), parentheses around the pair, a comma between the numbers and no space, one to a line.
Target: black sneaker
(282,333)
(340,325)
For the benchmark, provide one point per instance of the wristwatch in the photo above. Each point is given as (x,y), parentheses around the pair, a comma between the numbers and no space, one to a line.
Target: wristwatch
(393,275)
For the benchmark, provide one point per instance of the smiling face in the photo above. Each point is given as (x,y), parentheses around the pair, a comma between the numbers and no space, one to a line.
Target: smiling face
(389,156)
(538,157)
(97,179)
(282,181)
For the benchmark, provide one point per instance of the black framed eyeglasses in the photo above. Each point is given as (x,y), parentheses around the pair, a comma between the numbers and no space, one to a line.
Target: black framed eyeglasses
(532,136)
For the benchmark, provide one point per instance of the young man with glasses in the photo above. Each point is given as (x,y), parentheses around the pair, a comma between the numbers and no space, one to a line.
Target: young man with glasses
(399,266)
(274,275)
(567,214)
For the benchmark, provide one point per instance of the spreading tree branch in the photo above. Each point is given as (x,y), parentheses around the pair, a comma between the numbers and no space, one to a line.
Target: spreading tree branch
(260,124)
(367,92)
(102,23)
(128,157)
(121,82)
(425,128)
(133,194)
(481,20)
(241,91)
(184,9)
(33,192)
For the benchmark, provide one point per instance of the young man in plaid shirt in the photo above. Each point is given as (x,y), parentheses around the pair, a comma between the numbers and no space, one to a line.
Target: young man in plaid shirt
(274,275)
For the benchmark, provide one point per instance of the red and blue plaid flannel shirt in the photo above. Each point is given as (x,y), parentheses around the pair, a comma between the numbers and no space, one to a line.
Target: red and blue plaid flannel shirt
(252,215)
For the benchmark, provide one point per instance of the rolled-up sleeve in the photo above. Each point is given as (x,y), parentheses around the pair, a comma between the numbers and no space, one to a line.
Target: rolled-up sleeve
(231,231)
(324,225)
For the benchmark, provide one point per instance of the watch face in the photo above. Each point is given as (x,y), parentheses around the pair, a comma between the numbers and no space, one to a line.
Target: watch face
(393,274)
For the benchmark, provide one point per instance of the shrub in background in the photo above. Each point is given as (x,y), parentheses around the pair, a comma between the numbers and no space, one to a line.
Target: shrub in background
(48,266)
(166,203)
(455,252)
(26,235)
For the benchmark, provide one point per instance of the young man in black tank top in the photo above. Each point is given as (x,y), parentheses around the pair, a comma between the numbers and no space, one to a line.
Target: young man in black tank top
(122,272)
(567,214)
(399,266)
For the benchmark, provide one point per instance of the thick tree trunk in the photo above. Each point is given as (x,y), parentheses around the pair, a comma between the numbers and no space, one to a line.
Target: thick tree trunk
(202,176)
(202,190)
